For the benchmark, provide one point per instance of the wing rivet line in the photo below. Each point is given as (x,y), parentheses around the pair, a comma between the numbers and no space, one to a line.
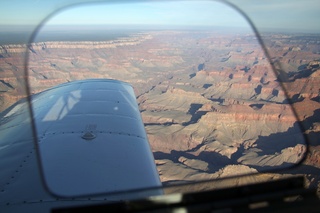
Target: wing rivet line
(13,177)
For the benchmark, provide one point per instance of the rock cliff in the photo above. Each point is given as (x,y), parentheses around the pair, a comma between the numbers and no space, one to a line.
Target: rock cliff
(212,104)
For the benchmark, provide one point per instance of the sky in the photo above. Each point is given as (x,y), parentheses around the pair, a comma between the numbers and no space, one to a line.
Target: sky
(296,15)
(292,15)
(159,13)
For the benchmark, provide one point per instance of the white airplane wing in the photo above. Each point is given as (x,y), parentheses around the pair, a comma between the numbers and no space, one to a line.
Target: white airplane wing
(91,140)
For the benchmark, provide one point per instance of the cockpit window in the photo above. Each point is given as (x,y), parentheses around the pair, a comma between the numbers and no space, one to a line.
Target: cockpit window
(217,100)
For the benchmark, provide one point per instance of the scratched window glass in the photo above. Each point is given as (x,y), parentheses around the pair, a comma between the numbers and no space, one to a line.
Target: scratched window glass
(211,104)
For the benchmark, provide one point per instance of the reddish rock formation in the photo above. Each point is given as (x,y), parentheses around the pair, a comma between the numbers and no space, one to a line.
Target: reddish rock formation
(210,102)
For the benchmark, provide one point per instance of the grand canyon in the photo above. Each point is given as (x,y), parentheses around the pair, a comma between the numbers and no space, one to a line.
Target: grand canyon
(214,105)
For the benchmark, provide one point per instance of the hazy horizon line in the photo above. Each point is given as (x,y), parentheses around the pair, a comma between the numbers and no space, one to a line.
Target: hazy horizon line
(20,34)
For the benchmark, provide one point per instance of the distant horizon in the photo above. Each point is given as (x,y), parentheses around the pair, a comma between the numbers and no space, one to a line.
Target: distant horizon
(20,34)
(99,32)
(286,16)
